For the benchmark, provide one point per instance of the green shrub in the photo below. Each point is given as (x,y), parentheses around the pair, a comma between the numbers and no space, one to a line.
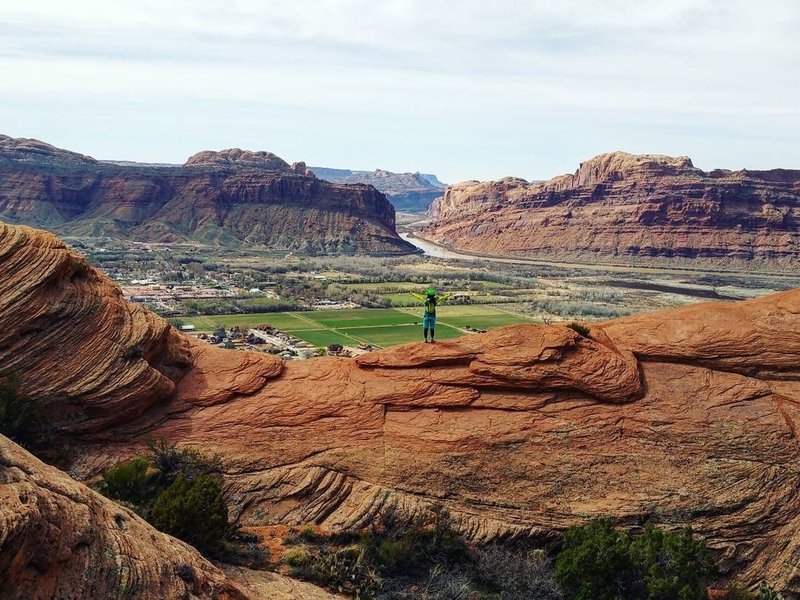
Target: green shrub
(600,562)
(579,328)
(595,562)
(193,511)
(765,592)
(296,557)
(131,481)
(21,418)
(672,565)
(344,571)
(169,460)
(737,592)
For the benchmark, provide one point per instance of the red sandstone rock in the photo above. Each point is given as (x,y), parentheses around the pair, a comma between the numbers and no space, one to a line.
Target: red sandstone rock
(687,416)
(231,197)
(620,205)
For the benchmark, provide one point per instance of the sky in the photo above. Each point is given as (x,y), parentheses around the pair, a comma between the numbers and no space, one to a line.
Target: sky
(464,89)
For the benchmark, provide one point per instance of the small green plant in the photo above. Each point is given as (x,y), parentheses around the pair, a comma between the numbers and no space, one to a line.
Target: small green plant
(131,481)
(193,511)
(296,557)
(580,329)
(765,592)
(21,418)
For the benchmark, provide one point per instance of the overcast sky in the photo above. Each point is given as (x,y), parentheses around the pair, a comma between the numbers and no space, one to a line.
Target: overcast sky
(464,89)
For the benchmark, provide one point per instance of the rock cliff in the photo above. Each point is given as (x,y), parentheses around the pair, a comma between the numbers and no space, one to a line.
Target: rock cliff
(620,206)
(687,416)
(232,197)
(411,192)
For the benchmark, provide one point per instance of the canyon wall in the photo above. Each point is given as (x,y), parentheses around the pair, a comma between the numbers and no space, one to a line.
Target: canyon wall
(619,206)
(687,416)
(231,198)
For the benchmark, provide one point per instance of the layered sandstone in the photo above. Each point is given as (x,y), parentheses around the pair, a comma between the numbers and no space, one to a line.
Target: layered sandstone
(59,539)
(412,192)
(232,197)
(619,206)
(688,416)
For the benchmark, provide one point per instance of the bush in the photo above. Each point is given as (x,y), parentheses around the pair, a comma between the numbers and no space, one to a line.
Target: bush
(579,328)
(595,562)
(193,511)
(672,565)
(296,557)
(131,481)
(765,592)
(21,418)
(598,561)
(523,575)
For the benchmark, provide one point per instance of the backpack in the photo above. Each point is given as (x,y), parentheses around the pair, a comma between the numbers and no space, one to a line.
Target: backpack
(430,306)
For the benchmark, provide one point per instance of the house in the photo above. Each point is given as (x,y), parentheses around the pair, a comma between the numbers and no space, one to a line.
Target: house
(187,328)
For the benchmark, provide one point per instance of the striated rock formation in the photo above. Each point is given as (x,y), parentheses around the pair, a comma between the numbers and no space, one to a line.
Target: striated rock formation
(232,197)
(411,192)
(59,539)
(621,205)
(688,416)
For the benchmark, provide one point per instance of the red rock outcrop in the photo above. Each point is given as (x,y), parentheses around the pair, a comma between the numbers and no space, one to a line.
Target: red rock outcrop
(687,416)
(620,205)
(406,191)
(232,197)
(59,539)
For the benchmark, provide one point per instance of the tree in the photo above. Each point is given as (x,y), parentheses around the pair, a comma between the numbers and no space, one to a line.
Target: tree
(193,511)
(595,563)
(673,565)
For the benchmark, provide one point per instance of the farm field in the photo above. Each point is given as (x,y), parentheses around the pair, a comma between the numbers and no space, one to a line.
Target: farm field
(377,326)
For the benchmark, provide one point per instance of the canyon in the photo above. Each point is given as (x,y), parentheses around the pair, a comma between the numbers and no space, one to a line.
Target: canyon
(621,207)
(685,416)
(411,192)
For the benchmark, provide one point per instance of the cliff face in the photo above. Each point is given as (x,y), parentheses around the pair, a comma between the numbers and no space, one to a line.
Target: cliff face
(232,197)
(412,192)
(688,416)
(624,205)
(59,539)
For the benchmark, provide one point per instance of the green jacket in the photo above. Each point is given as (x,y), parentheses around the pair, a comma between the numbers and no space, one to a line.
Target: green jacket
(430,307)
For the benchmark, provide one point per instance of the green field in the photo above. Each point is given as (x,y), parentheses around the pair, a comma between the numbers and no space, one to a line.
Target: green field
(376,326)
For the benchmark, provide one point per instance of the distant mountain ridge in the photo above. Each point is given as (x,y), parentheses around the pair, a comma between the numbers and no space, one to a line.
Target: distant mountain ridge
(232,197)
(621,205)
(411,192)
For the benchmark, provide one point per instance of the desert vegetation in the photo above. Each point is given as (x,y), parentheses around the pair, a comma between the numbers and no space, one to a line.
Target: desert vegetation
(21,418)
(177,490)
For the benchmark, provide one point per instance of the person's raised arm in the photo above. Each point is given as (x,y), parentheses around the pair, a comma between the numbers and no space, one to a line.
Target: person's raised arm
(444,297)
(418,296)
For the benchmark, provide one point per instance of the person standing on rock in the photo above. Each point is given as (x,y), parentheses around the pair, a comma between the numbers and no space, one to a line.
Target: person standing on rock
(430,300)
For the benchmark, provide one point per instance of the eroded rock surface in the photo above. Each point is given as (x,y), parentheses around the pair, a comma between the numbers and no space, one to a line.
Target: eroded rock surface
(59,539)
(621,205)
(687,416)
(232,197)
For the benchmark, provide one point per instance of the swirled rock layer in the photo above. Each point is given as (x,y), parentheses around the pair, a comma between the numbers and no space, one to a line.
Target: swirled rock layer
(687,416)
(619,206)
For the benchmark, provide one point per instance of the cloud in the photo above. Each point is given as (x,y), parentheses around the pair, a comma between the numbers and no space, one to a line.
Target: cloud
(523,78)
